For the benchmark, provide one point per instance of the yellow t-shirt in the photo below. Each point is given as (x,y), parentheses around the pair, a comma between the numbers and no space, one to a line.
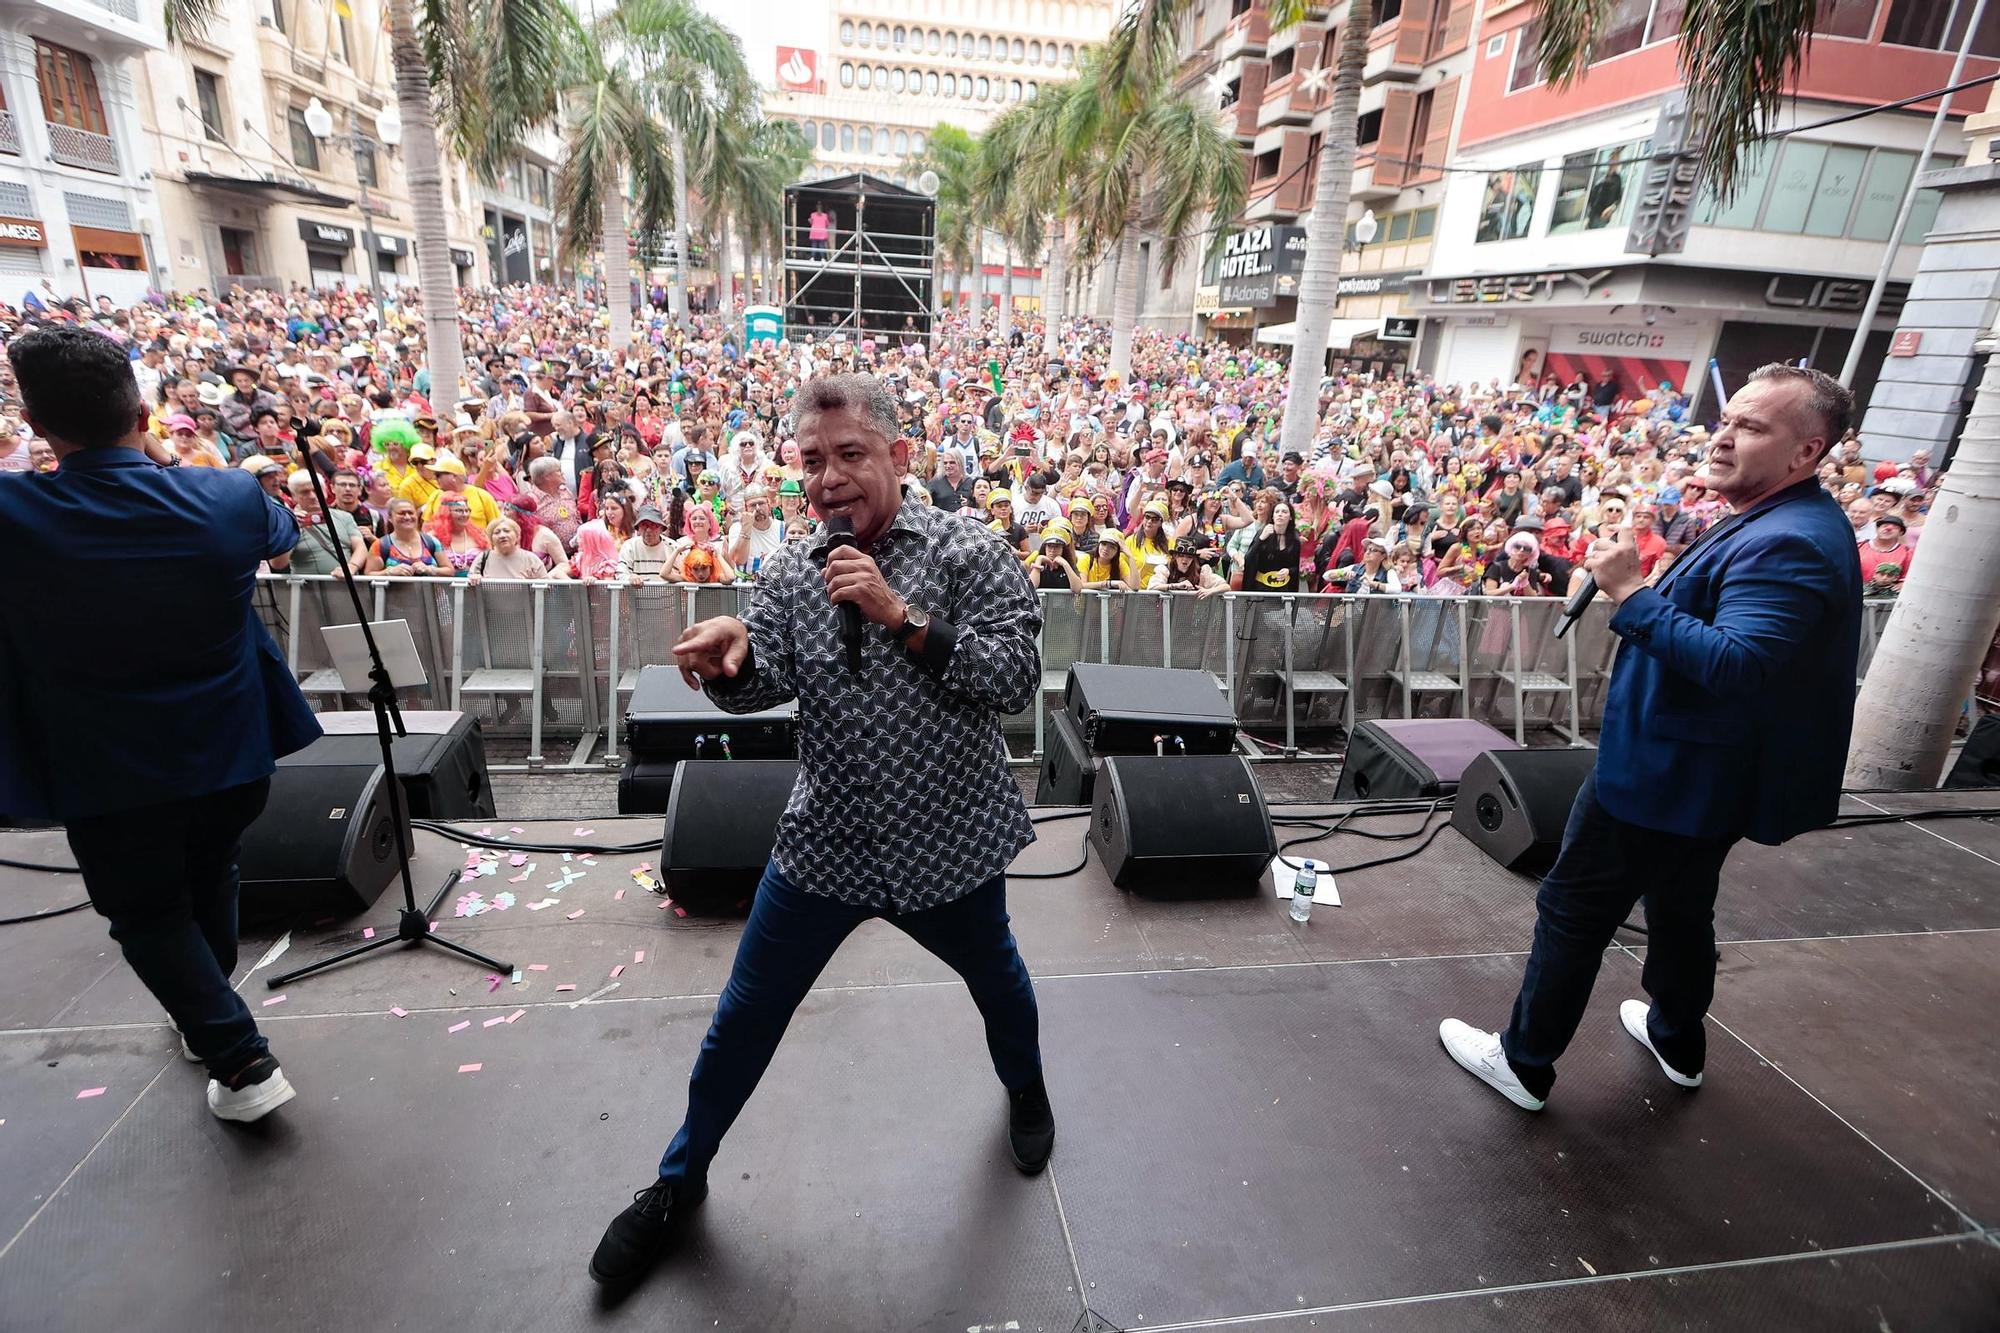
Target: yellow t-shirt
(418,490)
(481,502)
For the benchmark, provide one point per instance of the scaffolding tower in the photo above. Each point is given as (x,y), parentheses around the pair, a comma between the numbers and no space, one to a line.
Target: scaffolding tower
(874,275)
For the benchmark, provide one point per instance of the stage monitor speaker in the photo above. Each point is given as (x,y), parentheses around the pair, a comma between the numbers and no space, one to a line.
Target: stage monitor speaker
(1513,804)
(722,820)
(1413,758)
(1069,770)
(1979,762)
(645,786)
(1181,826)
(441,762)
(1122,709)
(666,720)
(325,845)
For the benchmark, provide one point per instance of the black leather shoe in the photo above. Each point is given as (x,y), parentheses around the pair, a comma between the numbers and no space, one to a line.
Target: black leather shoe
(1031,1127)
(642,1235)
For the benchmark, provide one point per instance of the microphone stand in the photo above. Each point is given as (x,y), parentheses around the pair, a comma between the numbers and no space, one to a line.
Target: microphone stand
(413,926)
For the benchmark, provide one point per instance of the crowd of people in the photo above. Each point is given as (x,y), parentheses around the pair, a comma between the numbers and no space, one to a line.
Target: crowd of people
(673,461)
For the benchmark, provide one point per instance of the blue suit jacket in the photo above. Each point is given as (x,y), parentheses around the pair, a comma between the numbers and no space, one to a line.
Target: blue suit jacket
(1733,695)
(133,669)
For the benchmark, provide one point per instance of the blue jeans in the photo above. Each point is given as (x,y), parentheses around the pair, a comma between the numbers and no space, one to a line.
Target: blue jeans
(1605,866)
(788,940)
(164,876)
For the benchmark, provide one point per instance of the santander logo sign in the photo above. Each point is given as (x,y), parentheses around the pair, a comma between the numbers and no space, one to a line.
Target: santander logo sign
(798,69)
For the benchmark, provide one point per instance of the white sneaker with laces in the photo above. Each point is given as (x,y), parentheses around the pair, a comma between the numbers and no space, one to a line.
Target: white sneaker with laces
(187,1051)
(1632,1013)
(253,1101)
(1480,1053)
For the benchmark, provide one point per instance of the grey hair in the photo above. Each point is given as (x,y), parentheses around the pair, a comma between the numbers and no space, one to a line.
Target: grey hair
(1826,397)
(541,467)
(755,491)
(862,393)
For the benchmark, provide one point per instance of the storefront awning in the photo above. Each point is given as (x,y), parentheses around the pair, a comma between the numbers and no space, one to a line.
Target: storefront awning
(269,188)
(1340,334)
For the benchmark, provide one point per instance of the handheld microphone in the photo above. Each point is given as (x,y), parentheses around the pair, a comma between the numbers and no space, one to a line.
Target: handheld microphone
(1578,600)
(840,531)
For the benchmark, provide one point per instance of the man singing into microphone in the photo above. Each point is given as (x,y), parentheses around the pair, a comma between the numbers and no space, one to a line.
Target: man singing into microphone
(904,808)
(1727,717)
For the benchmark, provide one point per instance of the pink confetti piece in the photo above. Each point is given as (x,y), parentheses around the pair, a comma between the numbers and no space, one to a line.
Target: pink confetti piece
(538,967)
(275,999)
(493,1022)
(664,904)
(486,833)
(679,910)
(434,926)
(518,859)
(517,829)
(574,915)
(516,1014)
(460,1026)
(90,1092)
(368,932)
(560,989)
(492,983)
(471,1068)
(616,970)
(516,879)
(645,865)
(618,897)
(399,1011)
(638,955)
(585,832)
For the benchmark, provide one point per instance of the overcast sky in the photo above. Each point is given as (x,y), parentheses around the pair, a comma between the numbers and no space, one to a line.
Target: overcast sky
(764,25)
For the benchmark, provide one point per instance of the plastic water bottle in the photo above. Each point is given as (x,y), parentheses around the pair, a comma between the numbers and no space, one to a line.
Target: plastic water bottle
(1302,891)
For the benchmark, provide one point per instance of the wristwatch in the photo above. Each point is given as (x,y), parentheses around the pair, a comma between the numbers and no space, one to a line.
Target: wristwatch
(915,621)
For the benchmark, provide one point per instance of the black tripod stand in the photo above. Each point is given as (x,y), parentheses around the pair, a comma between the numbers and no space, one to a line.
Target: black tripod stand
(413,926)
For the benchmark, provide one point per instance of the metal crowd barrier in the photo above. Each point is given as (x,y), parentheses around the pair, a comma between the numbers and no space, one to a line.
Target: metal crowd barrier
(556,661)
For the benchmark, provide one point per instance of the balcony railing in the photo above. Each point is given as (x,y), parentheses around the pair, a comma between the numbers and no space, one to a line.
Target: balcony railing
(124,9)
(10,136)
(80,148)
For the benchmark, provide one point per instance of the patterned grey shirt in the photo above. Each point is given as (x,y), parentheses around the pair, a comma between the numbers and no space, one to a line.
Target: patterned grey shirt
(903,800)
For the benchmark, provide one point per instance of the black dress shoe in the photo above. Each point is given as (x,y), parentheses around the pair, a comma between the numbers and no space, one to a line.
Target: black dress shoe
(1031,1127)
(642,1235)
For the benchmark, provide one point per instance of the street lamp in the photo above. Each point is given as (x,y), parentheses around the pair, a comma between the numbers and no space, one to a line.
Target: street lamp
(388,133)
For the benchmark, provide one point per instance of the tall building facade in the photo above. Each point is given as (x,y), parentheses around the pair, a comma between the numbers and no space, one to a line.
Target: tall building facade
(78,214)
(868,91)
(1568,243)
(248,194)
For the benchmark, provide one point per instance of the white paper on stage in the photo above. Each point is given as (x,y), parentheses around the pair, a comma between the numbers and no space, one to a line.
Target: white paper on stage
(399,653)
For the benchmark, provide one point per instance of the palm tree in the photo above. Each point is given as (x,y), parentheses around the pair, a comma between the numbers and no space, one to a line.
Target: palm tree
(1004,201)
(609,139)
(1044,173)
(1150,157)
(475,68)
(696,80)
(953,155)
(742,181)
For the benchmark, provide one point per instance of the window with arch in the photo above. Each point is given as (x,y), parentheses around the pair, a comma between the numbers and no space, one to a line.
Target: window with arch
(916,80)
(1068,55)
(1034,53)
(934,40)
(847,32)
(917,141)
(985,88)
(882,35)
(985,48)
(930,84)
(846,75)
(846,138)
(896,77)
(965,85)
(901,37)
(1014,90)
(902,143)
(865,38)
(947,88)
(864,77)
(1033,88)
(1020,50)
(881,76)
(951,43)
(826,137)
(865,140)
(811,129)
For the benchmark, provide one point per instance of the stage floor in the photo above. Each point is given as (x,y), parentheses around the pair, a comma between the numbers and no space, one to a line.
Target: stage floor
(1258,1128)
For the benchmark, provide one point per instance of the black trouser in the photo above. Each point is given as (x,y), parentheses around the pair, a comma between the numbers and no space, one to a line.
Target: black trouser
(164,876)
(1606,865)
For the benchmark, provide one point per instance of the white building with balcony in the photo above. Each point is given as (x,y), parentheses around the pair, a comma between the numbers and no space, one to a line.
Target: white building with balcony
(78,215)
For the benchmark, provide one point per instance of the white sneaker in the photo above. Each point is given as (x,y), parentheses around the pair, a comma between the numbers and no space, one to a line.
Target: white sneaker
(252,1101)
(1632,1013)
(1480,1053)
(187,1051)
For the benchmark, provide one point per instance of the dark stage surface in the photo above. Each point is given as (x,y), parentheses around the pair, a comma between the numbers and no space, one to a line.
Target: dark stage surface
(1258,1128)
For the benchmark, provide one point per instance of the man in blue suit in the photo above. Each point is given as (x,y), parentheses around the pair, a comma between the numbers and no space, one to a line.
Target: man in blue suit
(141,702)
(1727,717)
